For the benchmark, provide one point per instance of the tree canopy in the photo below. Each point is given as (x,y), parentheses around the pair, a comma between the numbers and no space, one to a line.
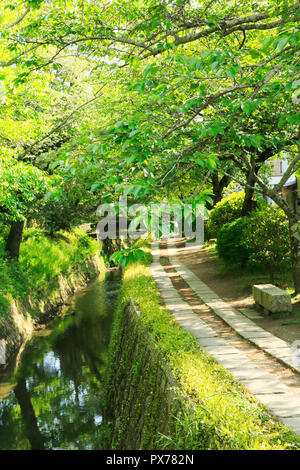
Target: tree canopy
(148,98)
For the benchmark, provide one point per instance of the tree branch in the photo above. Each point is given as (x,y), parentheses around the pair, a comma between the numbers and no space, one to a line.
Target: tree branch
(17,21)
(65,121)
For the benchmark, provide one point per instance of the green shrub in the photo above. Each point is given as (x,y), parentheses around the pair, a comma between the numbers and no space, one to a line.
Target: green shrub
(266,238)
(225,211)
(230,242)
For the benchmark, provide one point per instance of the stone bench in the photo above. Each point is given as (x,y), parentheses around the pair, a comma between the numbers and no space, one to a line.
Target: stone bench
(271,298)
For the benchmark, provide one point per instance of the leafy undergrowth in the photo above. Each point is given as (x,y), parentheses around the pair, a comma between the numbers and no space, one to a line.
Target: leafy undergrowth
(42,260)
(249,275)
(225,416)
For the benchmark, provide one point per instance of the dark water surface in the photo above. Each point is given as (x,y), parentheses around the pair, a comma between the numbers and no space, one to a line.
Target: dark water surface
(55,397)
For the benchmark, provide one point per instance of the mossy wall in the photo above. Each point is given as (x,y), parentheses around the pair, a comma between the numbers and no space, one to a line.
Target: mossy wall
(140,392)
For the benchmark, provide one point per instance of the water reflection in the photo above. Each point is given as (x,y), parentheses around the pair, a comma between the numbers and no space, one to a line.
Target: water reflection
(56,403)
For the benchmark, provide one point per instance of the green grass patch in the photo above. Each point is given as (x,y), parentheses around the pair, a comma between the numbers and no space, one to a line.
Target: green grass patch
(249,275)
(226,415)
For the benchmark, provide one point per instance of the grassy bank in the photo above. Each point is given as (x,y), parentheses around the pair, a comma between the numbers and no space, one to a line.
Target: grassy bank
(225,415)
(42,261)
(49,271)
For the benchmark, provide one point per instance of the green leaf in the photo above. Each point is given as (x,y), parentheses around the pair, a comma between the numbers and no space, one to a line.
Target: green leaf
(295,83)
(94,187)
(200,161)
(134,132)
(256,140)
(214,130)
(248,107)
(147,70)
(47,196)
(267,43)
(282,120)
(231,72)
(131,159)
(282,43)
(255,54)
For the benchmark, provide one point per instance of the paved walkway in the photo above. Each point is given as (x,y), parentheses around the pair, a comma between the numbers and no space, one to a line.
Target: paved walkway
(278,398)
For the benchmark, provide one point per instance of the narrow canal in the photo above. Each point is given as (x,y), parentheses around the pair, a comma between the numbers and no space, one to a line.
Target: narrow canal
(53,399)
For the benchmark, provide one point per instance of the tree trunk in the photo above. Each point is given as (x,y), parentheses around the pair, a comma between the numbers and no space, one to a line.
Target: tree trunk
(271,272)
(33,433)
(218,187)
(14,239)
(248,204)
(295,251)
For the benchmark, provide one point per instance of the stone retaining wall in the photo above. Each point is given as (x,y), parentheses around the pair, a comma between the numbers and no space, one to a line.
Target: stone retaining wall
(139,399)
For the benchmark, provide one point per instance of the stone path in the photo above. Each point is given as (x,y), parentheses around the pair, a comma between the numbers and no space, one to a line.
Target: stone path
(278,398)
(244,326)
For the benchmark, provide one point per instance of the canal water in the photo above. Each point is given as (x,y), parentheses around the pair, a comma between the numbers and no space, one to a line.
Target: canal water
(53,399)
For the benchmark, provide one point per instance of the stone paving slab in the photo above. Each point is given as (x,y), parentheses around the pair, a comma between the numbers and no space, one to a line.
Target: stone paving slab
(185,313)
(203,332)
(261,387)
(213,341)
(292,423)
(202,290)
(166,283)
(198,287)
(271,343)
(229,315)
(166,288)
(285,405)
(208,297)
(291,363)
(181,314)
(190,278)
(221,350)
(196,284)
(220,304)
(159,277)
(251,372)
(235,361)
(189,317)
(188,325)
(250,334)
(167,292)
(252,314)
(171,301)
(242,327)
(235,318)
(280,353)
(174,304)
